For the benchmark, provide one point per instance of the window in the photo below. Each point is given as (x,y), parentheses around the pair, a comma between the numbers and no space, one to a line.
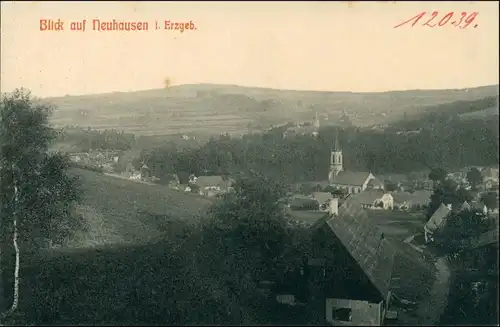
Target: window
(342,314)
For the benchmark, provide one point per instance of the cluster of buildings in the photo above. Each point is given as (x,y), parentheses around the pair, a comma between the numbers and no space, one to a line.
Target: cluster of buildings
(99,159)
(368,190)
(489,175)
(209,186)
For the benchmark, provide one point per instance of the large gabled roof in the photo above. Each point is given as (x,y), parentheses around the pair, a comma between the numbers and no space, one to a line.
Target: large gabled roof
(351,178)
(365,243)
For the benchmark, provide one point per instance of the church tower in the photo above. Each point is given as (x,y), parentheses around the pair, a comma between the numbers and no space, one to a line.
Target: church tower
(316,126)
(316,122)
(336,160)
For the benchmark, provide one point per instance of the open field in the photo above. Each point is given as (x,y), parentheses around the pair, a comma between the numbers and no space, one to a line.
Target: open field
(397,224)
(228,108)
(123,211)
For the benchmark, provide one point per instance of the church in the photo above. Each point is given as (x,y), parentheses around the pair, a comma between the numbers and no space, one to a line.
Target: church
(351,182)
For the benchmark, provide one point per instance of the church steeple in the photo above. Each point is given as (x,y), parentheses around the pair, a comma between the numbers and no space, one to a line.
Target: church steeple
(336,146)
(336,160)
(316,121)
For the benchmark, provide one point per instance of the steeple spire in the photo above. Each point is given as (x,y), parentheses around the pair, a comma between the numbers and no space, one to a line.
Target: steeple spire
(337,144)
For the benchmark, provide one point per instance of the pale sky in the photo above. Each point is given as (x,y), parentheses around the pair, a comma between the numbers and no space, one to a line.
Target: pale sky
(302,46)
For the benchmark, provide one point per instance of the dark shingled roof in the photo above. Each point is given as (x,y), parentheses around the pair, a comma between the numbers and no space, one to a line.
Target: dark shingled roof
(351,178)
(369,196)
(366,244)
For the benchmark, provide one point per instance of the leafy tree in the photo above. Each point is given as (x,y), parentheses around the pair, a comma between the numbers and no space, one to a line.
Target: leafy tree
(474,177)
(447,192)
(438,175)
(36,192)
(460,229)
(244,235)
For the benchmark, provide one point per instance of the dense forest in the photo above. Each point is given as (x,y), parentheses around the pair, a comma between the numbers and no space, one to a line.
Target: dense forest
(450,143)
(438,137)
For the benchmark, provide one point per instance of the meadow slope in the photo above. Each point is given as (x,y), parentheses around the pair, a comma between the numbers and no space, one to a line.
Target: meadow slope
(120,211)
(206,108)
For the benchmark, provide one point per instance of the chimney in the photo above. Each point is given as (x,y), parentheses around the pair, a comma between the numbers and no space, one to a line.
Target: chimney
(334,206)
(448,206)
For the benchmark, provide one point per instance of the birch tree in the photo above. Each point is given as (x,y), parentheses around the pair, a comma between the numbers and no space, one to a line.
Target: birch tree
(36,193)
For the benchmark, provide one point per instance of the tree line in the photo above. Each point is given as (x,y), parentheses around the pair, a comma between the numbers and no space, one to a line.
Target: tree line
(449,144)
(86,139)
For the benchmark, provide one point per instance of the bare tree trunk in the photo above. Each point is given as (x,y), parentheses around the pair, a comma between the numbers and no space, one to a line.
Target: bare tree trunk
(15,300)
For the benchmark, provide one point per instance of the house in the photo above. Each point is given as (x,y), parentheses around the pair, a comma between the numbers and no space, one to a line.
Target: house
(212,185)
(437,221)
(371,199)
(347,271)
(351,182)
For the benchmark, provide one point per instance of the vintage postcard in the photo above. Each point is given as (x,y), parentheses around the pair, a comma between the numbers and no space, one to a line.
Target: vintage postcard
(249,163)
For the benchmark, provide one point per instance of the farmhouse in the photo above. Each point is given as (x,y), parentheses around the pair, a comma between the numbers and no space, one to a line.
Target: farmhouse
(346,272)
(371,199)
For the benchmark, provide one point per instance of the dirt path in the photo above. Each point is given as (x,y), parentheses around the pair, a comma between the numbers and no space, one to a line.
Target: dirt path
(431,310)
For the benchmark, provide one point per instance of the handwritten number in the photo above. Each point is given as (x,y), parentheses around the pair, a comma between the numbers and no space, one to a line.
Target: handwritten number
(462,16)
(470,19)
(445,19)
(434,14)
(416,18)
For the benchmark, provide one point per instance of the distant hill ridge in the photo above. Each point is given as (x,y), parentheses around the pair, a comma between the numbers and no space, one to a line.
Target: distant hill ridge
(238,109)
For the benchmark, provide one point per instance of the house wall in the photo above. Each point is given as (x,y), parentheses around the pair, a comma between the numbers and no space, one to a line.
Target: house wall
(349,188)
(363,313)
(388,201)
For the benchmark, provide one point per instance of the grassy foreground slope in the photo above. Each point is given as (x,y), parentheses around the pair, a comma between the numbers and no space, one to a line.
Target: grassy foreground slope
(133,265)
(123,211)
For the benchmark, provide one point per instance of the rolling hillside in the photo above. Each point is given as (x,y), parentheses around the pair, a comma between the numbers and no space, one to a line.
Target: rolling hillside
(234,109)
(121,211)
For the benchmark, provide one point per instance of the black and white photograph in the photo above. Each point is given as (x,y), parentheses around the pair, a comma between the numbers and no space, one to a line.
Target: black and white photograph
(319,163)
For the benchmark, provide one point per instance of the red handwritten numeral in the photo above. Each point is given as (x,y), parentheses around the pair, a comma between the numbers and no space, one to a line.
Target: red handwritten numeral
(416,18)
(434,14)
(462,16)
(445,19)
(470,19)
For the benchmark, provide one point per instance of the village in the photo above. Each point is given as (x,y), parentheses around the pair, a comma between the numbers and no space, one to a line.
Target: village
(373,219)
